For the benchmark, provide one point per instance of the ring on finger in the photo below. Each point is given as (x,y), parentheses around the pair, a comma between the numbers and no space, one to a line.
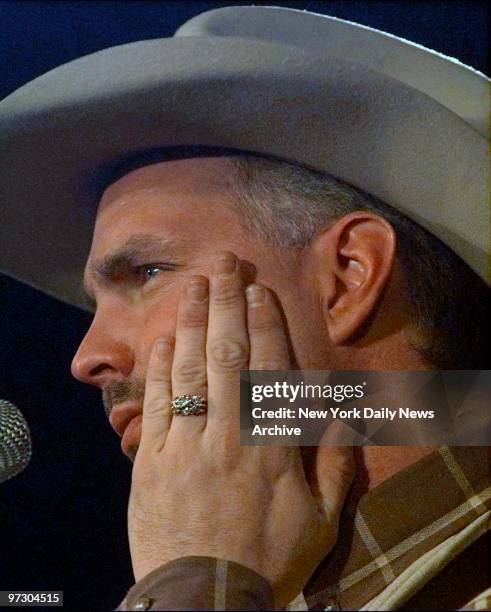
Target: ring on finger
(188,405)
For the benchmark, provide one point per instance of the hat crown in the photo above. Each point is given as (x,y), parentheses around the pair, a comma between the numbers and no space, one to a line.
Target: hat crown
(460,88)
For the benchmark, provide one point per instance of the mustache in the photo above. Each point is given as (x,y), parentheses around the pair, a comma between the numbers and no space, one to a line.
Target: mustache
(121,392)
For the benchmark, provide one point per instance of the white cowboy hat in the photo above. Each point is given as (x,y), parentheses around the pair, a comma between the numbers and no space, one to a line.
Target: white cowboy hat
(399,121)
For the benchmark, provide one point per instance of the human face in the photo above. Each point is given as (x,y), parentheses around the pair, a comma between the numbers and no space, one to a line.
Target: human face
(156,227)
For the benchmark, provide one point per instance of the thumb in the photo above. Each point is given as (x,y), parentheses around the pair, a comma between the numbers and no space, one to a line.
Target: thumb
(333,474)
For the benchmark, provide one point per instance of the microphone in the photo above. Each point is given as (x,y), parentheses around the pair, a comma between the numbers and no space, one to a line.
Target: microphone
(15,441)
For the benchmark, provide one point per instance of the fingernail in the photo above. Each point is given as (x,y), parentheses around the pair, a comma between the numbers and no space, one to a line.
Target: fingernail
(197,291)
(255,295)
(225,265)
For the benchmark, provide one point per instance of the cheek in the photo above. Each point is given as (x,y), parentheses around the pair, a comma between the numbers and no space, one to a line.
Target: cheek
(159,319)
(307,332)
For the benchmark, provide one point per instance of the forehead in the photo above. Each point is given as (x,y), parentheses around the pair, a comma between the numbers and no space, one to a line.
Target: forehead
(189,198)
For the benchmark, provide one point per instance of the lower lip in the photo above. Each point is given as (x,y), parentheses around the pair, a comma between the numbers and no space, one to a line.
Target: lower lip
(131,436)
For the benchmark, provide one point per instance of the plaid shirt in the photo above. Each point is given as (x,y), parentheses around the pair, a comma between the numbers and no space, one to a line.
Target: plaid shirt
(418,540)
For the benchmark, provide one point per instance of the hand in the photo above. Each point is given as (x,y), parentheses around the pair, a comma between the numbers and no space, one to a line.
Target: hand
(195,490)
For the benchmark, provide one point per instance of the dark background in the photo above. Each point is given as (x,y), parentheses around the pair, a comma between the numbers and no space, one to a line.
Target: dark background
(63,520)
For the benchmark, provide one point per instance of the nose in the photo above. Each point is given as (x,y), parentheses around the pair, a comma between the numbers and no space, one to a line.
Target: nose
(103,356)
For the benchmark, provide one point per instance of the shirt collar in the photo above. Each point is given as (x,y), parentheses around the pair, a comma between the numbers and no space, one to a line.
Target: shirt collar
(397,522)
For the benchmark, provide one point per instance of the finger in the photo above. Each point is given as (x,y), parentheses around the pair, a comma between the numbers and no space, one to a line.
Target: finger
(227,347)
(189,364)
(334,473)
(267,338)
(157,403)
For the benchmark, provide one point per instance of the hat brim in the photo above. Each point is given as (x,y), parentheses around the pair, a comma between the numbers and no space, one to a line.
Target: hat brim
(62,133)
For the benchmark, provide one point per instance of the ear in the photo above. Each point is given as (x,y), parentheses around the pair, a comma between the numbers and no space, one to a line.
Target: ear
(355,256)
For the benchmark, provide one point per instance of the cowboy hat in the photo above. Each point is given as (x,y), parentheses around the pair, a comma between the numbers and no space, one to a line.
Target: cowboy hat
(394,119)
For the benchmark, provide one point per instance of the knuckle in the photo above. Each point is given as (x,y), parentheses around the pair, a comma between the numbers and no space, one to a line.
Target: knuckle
(229,460)
(227,455)
(158,378)
(270,364)
(193,318)
(154,408)
(263,324)
(190,370)
(226,295)
(228,354)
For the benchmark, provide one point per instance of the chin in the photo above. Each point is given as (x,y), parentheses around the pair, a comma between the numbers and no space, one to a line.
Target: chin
(131,454)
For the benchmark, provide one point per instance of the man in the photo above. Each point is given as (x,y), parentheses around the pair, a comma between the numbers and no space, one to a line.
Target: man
(361,268)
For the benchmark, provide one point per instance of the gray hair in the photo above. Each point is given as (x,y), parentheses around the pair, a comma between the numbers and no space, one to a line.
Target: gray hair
(287,204)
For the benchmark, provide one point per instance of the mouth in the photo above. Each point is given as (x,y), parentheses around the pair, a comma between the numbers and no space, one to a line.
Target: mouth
(121,416)
(126,422)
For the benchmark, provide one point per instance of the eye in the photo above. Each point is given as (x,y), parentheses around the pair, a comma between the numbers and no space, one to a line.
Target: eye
(149,272)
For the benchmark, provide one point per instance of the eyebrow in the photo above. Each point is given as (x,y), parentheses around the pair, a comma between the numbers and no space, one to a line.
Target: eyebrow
(137,250)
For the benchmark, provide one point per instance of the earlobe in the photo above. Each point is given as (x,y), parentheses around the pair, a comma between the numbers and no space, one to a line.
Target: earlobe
(360,249)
